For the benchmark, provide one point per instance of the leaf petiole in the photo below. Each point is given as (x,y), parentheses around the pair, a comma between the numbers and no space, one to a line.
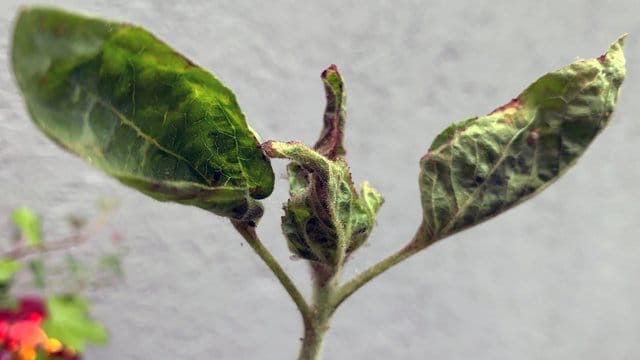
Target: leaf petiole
(248,232)
(419,242)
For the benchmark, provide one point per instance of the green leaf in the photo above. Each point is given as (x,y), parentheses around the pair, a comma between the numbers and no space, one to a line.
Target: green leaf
(68,320)
(8,268)
(132,106)
(38,272)
(483,166)
(112,262)
(28,222)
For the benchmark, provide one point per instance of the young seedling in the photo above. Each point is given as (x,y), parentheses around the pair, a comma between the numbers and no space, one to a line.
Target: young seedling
(132,106)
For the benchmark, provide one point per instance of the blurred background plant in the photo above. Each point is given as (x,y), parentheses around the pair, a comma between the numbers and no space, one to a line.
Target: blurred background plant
(44,310)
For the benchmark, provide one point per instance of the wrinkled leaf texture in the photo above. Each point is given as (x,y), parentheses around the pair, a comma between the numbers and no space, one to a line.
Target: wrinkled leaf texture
(126,102)
(482,166)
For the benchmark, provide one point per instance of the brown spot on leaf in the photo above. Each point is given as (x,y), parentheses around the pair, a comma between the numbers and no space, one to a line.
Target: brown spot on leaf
(513,104)
(267,148)
(602,57)
(42,20)
(508,120)
(331,68)
(59,30)
(533,137)
(427,156)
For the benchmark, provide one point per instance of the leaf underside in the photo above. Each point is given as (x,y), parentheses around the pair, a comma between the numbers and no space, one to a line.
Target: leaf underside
(129,104)
(483,166)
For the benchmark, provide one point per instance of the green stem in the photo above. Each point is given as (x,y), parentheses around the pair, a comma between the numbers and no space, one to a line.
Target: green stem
(419,242)
(325,287)
(311,344)
(248,232)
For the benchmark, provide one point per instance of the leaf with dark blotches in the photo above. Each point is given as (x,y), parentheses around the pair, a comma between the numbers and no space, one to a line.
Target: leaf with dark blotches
(483,166)
(325,219)
(330,144)
(129,104)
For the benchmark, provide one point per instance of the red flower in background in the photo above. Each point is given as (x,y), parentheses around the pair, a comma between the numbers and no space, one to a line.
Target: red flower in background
(21,334)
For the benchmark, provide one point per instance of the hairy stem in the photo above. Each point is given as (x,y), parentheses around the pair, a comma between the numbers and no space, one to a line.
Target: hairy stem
(326,283)
(419,242)
(248,232)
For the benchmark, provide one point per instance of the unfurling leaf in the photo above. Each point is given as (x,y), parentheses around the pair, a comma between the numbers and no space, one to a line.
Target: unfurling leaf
(325,219)
(28,222)
(483,166)
(130,105)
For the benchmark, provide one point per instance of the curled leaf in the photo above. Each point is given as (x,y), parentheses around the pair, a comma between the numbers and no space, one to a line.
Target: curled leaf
(330,143)
(483,166)
(132,106)
(325,219)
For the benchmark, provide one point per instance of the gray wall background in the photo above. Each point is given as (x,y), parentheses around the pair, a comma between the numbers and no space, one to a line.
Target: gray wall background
(556,278)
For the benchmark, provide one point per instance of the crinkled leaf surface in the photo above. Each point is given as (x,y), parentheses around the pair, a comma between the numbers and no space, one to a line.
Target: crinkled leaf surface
(483,166)
(68,320)
(325,219)
(129,104)
(28,222)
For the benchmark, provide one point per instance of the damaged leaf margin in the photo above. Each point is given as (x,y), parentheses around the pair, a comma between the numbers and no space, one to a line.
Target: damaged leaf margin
(482,166)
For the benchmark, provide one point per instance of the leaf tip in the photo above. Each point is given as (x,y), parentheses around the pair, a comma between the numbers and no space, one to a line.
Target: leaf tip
(331,69)
(513,104)
(615,50)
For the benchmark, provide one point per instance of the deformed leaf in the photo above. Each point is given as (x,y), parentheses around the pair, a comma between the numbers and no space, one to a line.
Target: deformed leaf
(28,222)
(325,219)
(483,166)
(330,142)
(68,320)
(126,102)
